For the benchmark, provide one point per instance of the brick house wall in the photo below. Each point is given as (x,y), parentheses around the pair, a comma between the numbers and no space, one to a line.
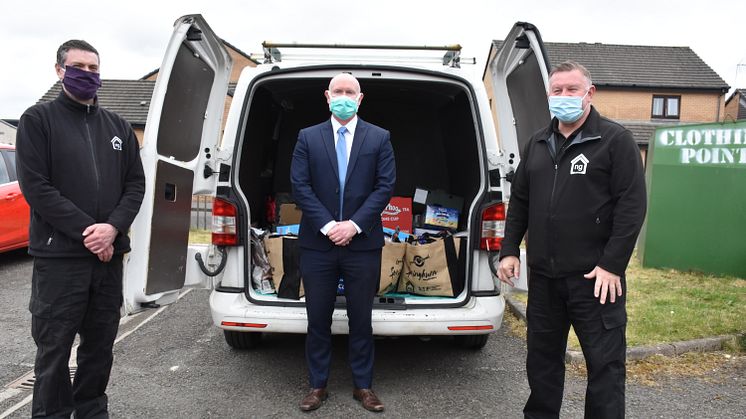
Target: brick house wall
(637,105)
(626,104)
(735,106)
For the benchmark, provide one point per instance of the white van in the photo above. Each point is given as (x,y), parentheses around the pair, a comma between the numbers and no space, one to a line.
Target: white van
(442,132)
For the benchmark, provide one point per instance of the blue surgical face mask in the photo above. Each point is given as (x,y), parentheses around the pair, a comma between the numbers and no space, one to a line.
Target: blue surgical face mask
(567,109)
(343,107)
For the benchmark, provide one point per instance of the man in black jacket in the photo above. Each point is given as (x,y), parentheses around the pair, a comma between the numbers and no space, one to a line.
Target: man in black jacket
(80,171)
(579,191)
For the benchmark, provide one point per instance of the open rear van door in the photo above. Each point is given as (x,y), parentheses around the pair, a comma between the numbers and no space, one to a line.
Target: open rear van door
(179,151)
(520,80)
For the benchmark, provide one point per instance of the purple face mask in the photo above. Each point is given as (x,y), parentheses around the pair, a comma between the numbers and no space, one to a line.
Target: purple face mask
(80,83)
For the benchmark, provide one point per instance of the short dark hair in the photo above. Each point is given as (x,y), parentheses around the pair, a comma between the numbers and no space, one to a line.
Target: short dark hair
(571,65)
(73,44)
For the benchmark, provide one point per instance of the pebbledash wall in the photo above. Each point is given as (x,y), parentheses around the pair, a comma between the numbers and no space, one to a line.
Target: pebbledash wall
(696,180)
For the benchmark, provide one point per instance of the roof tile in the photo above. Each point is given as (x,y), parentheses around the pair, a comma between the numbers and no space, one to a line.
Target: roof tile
(638,65)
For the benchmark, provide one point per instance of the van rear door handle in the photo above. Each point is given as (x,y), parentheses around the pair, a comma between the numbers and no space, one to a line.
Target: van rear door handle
(11,196)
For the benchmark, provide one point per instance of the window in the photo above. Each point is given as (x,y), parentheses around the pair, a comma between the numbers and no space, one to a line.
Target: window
(666,107)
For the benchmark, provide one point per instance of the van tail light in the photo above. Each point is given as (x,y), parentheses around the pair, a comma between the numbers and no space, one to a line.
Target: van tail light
(493,227)
(224,227)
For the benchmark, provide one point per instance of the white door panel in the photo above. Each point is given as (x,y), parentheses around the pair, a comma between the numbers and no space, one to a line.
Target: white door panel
(181,137)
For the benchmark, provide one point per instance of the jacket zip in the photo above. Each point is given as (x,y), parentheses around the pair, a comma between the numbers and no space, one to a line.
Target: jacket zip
(556,157)
(93,158)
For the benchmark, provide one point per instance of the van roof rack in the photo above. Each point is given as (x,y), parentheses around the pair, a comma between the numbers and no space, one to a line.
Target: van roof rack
(452,56)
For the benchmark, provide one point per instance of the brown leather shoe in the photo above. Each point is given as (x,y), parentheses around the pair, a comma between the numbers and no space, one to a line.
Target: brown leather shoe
(313,399)
(369,399)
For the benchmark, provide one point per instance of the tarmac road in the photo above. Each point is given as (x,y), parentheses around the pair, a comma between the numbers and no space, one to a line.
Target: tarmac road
(177,364)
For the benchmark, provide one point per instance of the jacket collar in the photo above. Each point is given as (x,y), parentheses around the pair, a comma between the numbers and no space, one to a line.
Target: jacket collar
(69,103)
(589,131)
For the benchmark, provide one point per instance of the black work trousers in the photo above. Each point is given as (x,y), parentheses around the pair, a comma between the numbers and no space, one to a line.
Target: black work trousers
(553,305)
(72,296)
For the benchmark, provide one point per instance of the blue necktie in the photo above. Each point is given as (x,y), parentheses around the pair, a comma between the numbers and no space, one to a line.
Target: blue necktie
(342,164)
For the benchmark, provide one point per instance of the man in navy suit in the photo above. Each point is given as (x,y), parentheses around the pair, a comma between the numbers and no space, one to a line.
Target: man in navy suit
(343,175)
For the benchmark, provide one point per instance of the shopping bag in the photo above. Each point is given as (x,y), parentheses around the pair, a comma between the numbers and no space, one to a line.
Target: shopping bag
(283,253)
(261,272)
(432,268)
(392,260)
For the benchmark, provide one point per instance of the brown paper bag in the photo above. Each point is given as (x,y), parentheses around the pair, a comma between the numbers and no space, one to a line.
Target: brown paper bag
(392,259)
(431,269)
(283,255)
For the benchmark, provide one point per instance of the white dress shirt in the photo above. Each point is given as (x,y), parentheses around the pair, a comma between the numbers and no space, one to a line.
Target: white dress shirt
(349,136)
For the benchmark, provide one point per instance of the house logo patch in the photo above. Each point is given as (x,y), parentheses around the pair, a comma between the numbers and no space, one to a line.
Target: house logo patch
(116,143)
(578,165)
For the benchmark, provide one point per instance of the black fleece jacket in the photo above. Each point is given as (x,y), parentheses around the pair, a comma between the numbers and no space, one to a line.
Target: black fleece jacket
(583,206)
(77,165)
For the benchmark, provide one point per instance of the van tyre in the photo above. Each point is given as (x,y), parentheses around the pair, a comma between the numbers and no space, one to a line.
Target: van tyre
(242,340)
(473,342)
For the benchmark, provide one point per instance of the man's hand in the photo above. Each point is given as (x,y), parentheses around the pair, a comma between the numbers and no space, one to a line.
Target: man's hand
(98,237)
(606,283)
(509,269)
(106,255)
(342,233)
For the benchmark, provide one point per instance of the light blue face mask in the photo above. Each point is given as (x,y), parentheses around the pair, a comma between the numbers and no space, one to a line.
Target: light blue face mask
(567,109)
(343,107)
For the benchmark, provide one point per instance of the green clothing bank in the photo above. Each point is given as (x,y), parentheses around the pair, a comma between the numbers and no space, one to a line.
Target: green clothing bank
(696,180)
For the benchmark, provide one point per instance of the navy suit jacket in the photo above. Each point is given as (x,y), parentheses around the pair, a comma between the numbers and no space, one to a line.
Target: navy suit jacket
(371,174)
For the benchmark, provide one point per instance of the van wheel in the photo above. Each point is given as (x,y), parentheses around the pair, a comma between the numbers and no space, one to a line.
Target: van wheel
(242,340)
(474,342)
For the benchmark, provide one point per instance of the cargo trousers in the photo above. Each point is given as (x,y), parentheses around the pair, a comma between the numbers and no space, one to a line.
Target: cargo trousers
(72,296)
(553,305)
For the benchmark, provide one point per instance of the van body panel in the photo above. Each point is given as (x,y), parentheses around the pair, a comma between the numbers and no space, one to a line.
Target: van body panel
(520,81)
(455,134)
(181,135)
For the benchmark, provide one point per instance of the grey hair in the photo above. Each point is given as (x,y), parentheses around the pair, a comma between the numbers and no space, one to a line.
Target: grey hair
(570,65)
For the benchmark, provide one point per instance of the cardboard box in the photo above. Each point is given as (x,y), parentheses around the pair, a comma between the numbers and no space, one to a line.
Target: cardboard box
(289,214)
(441,217)
(398,213)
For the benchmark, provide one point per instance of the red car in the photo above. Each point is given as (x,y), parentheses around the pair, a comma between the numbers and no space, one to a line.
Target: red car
(14,211)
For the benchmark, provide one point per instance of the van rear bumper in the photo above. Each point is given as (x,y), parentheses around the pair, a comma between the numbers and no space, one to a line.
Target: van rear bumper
(480,315)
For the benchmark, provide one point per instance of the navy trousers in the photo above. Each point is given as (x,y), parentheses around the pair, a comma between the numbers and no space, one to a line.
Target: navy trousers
(553,305)
(321,271)
(72,296)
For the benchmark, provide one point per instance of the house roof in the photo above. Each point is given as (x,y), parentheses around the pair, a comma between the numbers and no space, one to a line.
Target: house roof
(643,131)
(740,93)
(638,66)
(130,99)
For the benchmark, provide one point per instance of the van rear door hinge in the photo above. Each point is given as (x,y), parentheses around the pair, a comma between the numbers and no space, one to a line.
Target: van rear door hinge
(223,173)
